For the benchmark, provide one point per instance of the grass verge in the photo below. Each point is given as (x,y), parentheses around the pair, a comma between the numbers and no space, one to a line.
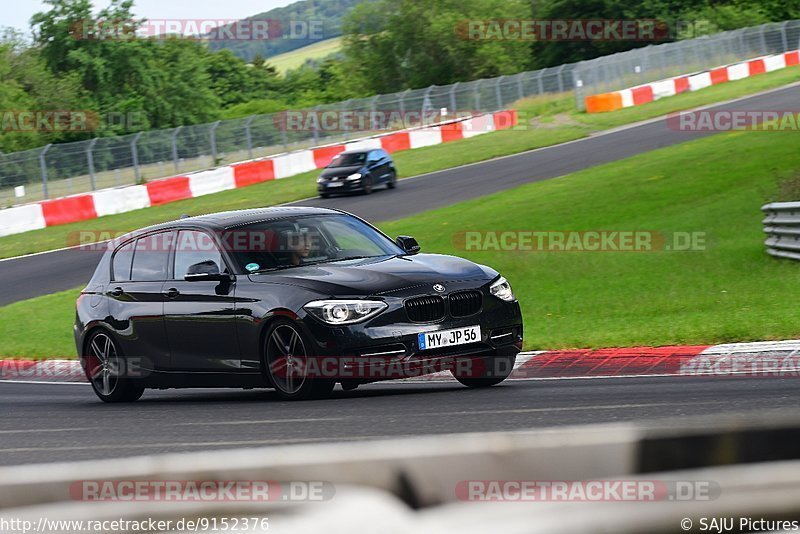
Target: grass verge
(554,120)
(729,291)
(296,58)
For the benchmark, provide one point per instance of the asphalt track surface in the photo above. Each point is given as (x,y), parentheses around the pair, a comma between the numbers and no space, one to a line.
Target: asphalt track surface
(51,423)
(32,276)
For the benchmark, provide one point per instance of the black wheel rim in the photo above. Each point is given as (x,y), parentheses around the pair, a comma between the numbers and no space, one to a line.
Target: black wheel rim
(286,358)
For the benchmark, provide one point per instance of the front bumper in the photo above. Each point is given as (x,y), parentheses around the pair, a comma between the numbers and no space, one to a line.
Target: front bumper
(347,186)
(386,347)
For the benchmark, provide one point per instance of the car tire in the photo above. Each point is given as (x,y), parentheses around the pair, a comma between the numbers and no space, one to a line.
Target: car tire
(486,372)
(367,188)
(285,351)
(392,183)
(104,366)
(324,195)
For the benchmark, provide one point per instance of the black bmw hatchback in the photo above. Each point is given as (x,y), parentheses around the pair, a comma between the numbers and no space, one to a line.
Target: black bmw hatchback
(295,299)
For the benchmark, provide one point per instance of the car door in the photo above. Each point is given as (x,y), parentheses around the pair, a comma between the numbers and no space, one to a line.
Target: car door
(136,303)
(375,167)
(200,316)
(382,168)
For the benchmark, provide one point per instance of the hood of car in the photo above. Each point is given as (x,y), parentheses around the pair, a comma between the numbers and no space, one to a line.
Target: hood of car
(331,172)
(375,276)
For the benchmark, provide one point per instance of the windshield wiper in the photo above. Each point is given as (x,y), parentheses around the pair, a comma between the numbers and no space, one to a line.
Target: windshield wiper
(291,266)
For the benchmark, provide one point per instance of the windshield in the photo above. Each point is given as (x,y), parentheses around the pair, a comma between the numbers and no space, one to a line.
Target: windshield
(348,160)
(298,241)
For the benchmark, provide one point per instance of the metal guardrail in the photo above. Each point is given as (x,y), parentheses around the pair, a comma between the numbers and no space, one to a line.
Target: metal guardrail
(409,484)
(782,226)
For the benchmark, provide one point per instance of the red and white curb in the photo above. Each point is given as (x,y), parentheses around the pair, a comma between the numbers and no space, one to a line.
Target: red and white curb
(642,94)
(123,199)
(767,358)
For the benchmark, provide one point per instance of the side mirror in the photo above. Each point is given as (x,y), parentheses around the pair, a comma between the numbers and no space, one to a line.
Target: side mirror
(408,243)
(204,271)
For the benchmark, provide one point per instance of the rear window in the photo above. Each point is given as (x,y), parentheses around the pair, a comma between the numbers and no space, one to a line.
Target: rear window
(122,262)
(150,258)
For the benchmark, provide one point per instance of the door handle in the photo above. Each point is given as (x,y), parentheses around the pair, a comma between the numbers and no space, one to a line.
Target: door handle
(171,293)
(116,292)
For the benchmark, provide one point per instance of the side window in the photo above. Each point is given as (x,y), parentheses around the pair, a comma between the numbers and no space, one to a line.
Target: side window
(195,247)
(150,258)
(122,262)
(383,154)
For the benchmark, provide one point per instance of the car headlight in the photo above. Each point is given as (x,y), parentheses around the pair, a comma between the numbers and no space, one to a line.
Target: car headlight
(502,290)
(320,180)
(338,312)
(354,176)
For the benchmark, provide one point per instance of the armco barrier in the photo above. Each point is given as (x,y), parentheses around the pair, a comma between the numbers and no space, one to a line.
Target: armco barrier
(21,219)
(732,467)
(69,209)
(253,172)
(643,94)
(208,182)
(123,199)
(782,226)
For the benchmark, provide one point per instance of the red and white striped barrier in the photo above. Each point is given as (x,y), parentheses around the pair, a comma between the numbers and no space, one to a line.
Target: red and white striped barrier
(642,94)
(123,199)
(767,358)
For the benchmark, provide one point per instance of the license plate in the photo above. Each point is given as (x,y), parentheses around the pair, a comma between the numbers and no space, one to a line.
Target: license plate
(449,338)
(334,184)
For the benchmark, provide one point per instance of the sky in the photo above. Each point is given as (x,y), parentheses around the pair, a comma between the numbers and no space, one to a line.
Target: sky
(17,13)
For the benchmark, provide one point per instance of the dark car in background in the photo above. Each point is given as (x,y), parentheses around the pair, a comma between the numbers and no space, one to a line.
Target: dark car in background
(295,299)
(357,171)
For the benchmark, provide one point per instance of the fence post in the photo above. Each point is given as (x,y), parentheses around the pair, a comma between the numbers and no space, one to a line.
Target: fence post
(540,86)
(135,154)
(577,83)
(212,136)
(90,162)
(784,39)
(174,136)
(403,102)
(560,79)
(476,94)
(453,105)
(43,167)
(520,88)
(341,114)
(316,124)
(425,103)
(764,49)
(498,96)
(373,106)
(247,136)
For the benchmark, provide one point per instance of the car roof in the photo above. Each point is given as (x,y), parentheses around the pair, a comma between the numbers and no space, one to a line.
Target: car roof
(227,219)
(358,151)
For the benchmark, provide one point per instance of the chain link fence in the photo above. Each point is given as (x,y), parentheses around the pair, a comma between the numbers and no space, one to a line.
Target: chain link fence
(656,62)
(70,168)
